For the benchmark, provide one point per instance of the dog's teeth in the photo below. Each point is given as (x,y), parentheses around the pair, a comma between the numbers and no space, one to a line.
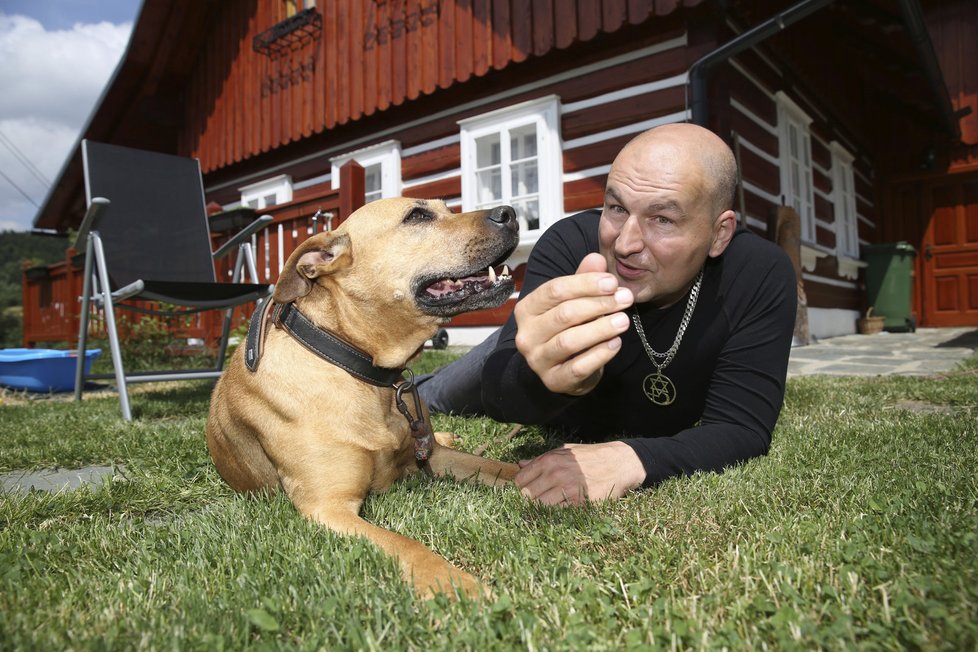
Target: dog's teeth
(492,275)
(505,270)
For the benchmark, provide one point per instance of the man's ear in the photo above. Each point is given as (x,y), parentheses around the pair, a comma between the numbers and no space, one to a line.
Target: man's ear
(723,230)
(314,258)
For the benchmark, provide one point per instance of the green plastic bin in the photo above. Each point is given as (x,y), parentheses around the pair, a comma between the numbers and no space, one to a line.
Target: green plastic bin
(889,278)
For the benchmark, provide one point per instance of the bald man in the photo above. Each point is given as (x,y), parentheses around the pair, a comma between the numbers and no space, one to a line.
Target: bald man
(653,333)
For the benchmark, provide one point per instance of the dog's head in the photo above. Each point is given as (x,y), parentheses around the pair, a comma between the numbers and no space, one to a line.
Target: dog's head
(403,264)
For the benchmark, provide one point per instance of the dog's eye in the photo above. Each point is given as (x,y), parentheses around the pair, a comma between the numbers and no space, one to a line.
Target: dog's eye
(419,215)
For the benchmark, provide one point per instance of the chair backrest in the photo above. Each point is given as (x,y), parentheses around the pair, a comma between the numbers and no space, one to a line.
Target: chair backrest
(156,225)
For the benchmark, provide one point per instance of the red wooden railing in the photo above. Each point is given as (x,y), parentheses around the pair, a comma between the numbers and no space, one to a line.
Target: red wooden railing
(51,293)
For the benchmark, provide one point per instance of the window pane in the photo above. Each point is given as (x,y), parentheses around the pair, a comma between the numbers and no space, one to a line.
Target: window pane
(269,200)
(487,151)
(372,179)
(523,142)
(372,196)
(528,213)
(489,186)
(524,178)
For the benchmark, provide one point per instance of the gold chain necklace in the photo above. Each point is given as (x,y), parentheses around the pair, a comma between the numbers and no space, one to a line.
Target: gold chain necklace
(658,387)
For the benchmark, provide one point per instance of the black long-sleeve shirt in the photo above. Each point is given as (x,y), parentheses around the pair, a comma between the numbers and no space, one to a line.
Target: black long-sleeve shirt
(729,372)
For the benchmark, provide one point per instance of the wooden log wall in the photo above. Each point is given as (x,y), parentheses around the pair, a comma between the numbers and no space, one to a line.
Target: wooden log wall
(751,83)
(367,56)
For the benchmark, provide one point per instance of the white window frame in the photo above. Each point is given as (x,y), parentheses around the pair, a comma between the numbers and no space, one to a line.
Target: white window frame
(545,113)
(797,179)
(256,194)
(387,154)
(846,218)
(844,198)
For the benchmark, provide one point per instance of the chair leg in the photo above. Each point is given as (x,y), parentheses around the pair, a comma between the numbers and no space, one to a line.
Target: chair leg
(110,327)
(83,321)
(249,256)
(222,347)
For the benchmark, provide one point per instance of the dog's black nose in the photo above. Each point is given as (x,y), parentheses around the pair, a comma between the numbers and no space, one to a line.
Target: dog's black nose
(503,215)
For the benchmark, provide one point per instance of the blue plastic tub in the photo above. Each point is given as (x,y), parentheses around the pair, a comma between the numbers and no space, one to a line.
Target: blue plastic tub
(42,370)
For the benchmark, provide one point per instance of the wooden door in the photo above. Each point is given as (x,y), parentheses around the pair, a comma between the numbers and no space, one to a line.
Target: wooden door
(949,255)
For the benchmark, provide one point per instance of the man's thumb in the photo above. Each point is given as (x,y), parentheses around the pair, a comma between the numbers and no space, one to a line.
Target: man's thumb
(593,262)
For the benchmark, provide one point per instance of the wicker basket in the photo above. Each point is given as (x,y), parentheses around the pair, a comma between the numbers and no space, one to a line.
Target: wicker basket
(870,324)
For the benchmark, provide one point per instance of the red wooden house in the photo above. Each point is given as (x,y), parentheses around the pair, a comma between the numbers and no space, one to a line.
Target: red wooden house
(860,114)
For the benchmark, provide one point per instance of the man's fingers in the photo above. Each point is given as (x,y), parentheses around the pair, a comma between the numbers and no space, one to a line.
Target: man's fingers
(553,478)
(534,329)
(563,498)
(581,373)
(574,355)
(567,288)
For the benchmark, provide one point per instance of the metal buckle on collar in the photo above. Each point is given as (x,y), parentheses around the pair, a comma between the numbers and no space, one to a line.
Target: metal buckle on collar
(420,428)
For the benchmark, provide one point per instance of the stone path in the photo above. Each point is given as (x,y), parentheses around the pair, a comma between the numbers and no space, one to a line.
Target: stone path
(925,352)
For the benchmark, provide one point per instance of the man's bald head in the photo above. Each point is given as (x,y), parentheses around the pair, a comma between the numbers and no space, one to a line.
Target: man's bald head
(702,148)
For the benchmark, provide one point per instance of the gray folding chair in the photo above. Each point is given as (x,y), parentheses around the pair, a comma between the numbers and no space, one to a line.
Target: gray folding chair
(146,237)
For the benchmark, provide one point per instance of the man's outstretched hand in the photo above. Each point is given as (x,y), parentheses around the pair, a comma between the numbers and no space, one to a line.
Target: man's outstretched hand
(569,327)
(576,473)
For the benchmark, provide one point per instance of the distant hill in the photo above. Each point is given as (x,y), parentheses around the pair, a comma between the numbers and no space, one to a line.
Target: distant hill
(17,247)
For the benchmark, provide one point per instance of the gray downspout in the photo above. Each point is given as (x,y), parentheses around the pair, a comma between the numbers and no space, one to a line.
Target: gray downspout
(750,38)
(914,22)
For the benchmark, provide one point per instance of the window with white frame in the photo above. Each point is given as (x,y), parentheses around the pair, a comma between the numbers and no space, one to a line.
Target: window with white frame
(267,193)
(381,169)
(844,198)
(512,156)
(794,140)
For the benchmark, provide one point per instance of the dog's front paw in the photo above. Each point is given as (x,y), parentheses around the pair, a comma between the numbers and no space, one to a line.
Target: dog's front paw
(457,584)
(447,439)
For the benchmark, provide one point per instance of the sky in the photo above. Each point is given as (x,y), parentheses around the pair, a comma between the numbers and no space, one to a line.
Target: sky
(57,56)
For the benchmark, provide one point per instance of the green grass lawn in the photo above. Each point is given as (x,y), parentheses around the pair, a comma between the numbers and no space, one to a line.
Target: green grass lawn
(859,530)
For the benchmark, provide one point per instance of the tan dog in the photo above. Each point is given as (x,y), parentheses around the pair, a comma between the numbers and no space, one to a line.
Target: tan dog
(383,282)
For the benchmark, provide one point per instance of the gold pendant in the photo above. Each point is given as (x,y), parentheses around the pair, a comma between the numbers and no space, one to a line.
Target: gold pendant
(659,389)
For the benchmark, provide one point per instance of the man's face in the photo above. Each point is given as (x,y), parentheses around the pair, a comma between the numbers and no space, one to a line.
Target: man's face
(656,228)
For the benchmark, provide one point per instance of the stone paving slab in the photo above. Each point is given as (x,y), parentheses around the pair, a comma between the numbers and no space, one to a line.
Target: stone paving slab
(925,352)
(57,479)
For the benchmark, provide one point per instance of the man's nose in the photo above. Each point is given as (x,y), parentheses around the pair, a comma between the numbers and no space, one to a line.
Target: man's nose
(629,240)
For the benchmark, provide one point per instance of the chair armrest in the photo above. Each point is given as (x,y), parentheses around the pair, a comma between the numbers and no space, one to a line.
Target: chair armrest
(98,206)
(242,235)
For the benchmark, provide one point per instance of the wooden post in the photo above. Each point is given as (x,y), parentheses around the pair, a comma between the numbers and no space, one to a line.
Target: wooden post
(784,228)
(352,189)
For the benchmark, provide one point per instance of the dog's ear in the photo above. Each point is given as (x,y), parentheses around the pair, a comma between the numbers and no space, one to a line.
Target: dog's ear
(314,258)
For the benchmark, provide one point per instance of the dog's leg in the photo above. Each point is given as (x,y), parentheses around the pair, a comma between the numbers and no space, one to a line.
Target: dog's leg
(426,571)
(335,503)
(241,461)
(464,466)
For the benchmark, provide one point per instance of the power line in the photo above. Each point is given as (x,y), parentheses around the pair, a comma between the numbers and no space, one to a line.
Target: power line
(26,162)
(19,189)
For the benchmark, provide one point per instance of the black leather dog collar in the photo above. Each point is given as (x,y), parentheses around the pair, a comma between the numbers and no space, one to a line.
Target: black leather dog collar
(333,349)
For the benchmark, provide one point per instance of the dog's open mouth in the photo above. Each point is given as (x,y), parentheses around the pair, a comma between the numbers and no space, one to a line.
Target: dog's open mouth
(450,296)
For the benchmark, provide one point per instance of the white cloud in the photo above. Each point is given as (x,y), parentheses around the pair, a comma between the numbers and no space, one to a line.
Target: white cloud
(50,82)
